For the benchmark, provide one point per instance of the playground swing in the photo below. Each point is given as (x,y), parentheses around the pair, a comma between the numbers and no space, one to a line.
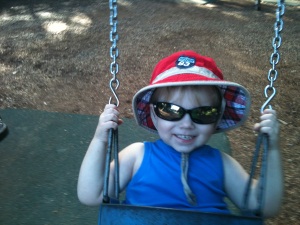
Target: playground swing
(119,214)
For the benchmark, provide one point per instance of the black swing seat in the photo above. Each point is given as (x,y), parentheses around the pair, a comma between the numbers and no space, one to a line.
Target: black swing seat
(116,214)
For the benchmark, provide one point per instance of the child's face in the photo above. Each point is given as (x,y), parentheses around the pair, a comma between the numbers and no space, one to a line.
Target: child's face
(185,135)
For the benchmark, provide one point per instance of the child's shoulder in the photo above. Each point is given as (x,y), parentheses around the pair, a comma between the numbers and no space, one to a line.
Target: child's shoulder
(231,165)
(134,148)
(133,155)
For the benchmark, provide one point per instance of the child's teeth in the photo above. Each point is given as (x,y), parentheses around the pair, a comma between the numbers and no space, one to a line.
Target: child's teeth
(185,137)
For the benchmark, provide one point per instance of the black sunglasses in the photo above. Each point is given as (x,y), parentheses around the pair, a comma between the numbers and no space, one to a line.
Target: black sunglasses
(199,115)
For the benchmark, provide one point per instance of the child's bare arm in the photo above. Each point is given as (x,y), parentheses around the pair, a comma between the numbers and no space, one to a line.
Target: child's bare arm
(274,180)
(91,175)
(236,178)
(90,181)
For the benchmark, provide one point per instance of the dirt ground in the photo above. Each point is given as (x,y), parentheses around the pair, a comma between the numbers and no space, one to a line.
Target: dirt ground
(54,56)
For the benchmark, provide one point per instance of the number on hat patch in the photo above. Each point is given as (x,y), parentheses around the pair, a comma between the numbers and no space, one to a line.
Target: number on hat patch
(184,62)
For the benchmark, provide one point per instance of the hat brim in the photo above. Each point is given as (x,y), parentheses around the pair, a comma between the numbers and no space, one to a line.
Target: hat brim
(237,103)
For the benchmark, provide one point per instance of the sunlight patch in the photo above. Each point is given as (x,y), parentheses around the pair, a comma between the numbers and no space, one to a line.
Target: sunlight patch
(7,17)
(4,68)
(124,3)
(55,27)
(80,23)
(81,19)
(45,14)
(236,15)
(200,3)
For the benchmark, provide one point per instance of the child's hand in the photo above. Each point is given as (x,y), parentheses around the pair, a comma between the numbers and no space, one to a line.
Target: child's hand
(269,125)
(108,119)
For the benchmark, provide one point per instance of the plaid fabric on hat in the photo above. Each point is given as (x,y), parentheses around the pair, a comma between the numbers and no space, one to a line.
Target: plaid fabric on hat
(235,107)
(143,110)
(189,68)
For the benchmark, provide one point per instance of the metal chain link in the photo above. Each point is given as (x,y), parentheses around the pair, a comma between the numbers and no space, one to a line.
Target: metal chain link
(114,51)
(113,144)
(275,56)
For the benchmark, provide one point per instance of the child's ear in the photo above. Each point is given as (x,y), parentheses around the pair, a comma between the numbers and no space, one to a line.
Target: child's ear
(153,115)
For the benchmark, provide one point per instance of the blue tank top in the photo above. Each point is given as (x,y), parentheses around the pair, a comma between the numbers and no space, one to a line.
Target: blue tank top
(157,182)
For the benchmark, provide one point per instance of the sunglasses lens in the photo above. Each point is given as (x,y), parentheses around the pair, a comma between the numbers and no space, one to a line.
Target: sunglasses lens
(200,115)
(168,111)
(205,115)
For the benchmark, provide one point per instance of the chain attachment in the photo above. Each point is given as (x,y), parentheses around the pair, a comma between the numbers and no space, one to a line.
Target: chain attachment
(114,51)
(275,56)
(268,88)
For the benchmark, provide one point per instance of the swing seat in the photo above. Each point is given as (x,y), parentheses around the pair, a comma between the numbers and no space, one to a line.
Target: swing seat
(116,214)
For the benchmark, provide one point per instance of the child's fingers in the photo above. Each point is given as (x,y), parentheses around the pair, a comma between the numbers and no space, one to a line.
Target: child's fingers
(110,113)
(109,119)
(109,106)
(269,112)
(111,109)
(268,123)
(256,127)
(120,122)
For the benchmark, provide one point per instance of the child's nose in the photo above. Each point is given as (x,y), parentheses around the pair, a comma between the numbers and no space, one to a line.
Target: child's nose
(186,121)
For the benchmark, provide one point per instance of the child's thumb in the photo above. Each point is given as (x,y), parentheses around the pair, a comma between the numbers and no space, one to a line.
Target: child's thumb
(120,121)
(256,127)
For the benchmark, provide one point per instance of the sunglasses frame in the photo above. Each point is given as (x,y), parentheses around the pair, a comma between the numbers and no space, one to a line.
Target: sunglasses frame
(214,118)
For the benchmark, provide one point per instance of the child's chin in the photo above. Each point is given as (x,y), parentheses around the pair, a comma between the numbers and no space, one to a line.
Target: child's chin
(184,150)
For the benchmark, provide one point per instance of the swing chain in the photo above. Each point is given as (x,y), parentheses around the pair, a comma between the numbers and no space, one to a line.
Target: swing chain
(275,56)
(114,51)
(113,144)
(263,139)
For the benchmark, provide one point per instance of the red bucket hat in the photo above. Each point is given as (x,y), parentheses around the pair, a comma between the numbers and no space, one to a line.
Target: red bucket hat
(189,68)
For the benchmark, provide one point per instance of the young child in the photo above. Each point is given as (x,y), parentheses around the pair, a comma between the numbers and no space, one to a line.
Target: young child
(186,102)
